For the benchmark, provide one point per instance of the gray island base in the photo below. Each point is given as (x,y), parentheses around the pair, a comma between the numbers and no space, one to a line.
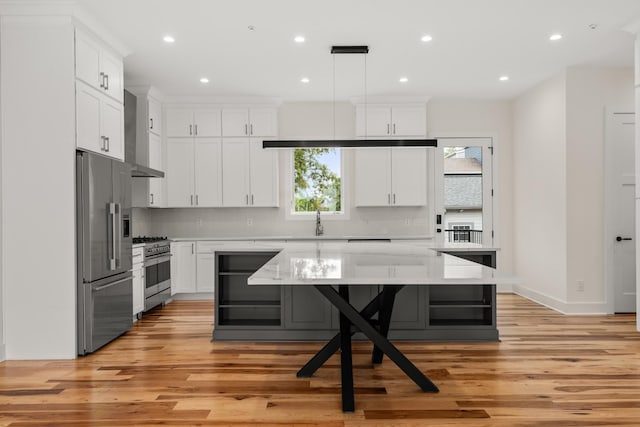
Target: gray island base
(444,297)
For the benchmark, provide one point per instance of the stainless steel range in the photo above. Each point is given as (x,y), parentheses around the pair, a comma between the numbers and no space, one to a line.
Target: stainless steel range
(157,266)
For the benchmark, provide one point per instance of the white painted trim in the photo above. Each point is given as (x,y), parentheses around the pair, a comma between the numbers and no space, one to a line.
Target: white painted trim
(195,101)
(399,99)
(209,296)
(147,91)
(586,308)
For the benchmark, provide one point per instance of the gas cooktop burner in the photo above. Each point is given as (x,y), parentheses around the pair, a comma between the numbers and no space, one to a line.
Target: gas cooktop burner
(145,239)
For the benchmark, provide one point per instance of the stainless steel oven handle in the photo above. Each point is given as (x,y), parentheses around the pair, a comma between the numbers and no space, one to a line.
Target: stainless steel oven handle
(108,285)
(148,262)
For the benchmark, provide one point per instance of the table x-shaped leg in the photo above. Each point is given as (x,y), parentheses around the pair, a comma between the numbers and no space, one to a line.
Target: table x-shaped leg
(387,295)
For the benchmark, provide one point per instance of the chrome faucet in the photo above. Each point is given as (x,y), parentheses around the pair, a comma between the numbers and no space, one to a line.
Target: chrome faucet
(319,228)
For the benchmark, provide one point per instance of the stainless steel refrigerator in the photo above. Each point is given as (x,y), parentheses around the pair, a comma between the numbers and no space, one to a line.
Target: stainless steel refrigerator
(104,278)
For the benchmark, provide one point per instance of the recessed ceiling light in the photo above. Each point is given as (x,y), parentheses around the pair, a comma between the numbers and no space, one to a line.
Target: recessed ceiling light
(305,80)
(168,39)
(251,28)
(403,80)
(204,80)
(426,38)
(555,37)
(299,39)
(503,78)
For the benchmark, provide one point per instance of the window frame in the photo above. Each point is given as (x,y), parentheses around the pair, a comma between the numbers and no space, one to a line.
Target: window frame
(290,214)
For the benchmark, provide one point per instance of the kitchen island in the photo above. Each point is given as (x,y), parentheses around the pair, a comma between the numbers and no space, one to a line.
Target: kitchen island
(461,311)
(393,267)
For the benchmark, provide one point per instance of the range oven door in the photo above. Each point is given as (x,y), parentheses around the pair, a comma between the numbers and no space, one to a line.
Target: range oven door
(157,274)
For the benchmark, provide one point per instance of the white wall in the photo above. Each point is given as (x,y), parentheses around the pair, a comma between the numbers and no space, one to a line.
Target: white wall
(539,191)
(559,183)
(589,91)
(2,342)
(38,226)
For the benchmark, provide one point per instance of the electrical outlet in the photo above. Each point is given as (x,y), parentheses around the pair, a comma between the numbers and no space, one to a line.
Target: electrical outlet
(580,286)
(249,222)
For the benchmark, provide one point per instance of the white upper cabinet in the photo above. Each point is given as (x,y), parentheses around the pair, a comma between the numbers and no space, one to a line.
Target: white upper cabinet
(391,121)
(258,121)
(249,174)
(99,122)
(391,176)
(154,121)
(98,67)
(193,122)
(194,172)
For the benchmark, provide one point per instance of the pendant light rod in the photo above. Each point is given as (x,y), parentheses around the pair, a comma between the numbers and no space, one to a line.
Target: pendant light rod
(349,143)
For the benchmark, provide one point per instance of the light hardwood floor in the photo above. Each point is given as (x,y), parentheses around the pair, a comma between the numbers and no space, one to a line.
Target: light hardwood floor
(548,370)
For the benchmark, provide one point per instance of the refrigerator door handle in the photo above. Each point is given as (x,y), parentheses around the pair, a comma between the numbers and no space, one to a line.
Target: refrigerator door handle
(99,288)
(112,259)
(119,222)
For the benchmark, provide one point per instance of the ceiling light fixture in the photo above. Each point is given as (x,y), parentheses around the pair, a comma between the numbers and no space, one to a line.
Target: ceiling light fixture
(168,39)
(403,80)
(555,37)
(204,80)
(426,38)
(305,80)
(349,143)
(299,39)
(503,78)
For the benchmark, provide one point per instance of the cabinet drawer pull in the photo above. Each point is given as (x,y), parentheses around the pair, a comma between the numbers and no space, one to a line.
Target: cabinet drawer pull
(151,198)
(102,80)
(108,143)
(106,85)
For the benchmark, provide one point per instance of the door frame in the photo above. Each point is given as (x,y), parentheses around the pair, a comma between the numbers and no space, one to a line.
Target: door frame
(608,235)
(489,197)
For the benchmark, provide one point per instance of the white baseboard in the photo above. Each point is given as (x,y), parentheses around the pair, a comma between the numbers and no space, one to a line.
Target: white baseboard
(193,296)
(564,307)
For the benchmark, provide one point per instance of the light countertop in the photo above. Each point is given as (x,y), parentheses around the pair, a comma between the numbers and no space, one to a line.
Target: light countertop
(368,263)
(296,238)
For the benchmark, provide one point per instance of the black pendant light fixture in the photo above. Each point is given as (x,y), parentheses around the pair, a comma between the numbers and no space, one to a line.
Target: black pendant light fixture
(349,143)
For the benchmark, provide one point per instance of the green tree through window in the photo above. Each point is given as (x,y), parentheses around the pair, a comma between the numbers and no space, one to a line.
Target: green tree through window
(317,183)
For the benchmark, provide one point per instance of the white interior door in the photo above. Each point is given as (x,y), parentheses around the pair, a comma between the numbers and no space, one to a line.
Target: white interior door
(464,190)
(620,245)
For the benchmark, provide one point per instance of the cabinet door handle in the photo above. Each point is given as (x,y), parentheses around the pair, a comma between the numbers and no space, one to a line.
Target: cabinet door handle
(106,138)
(394,198)
(394,128)
(246,197)
(151,198)
(251,128)
(190,129)
(197,201)
(195,127)
(388,198)
(193,248)
(252,199)
(106,85)
(192,200)
(388,128)
(102,80)
(151,119)
(102,143)
(246,132)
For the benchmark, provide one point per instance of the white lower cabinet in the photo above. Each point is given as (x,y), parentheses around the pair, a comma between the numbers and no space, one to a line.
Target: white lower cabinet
(138,280)
(205,272)
(183,267)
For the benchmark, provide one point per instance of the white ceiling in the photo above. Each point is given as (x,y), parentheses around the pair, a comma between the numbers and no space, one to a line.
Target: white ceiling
(474,42)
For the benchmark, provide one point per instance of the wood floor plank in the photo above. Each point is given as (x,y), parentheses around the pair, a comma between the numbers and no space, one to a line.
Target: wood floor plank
(548,370)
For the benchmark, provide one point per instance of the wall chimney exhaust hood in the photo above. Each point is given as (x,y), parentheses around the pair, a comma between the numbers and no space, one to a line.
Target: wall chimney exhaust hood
(138,170)
(349,143)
